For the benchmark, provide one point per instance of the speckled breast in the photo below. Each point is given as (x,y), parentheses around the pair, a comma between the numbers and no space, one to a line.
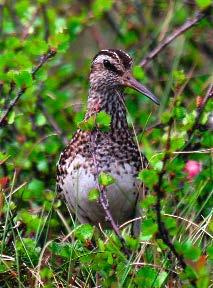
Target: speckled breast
(78,176)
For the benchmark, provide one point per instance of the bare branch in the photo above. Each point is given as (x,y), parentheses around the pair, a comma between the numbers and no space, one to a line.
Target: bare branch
(44,58)
(199,15)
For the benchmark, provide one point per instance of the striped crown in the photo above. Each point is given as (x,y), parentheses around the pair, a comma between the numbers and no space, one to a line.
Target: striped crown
(116,54)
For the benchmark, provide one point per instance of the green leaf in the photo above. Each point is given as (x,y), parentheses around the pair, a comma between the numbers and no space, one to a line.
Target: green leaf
(41,74)
(35,189)
(177,143)
(188,273)
(84,232)
(179,77)
(105,179)
(60,41)
(93,194)
(210,252)
(98,6)
(42,165)
(148,201)
(23,79)
(61,249)
(148,177)
(148,228)
(11,117)
(40,119)
(36,46)
(179,112)
(202,4)
(88,124)
(188,250)
(132,242)
(146,275)
(165,117)
(103,121)
(46,273)
(161,278)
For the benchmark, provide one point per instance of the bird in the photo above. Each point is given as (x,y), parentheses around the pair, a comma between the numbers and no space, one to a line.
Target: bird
(113,152)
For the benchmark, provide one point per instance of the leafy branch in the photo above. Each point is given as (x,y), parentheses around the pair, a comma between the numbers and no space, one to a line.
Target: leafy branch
(43,59)
(200,109)
(158,187)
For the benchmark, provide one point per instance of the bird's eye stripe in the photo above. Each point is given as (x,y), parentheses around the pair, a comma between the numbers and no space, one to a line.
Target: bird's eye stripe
(111,67)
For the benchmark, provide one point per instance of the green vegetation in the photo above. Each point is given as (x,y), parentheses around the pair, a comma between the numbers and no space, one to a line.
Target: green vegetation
(46,50)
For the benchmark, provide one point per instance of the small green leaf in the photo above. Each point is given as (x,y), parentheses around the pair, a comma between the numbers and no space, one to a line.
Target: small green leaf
(177,142)
(84,232)
(210,252)
(11,117)
(188,250)
(202,4)
(35,189)
(23,79)
(148,201)
(149,227)
(146,275)
(88,124)
(165,117)
(105,179)
(179,112)
(161,278)
(46,273)
(103,120)
(93,194)
(36,46)
(148,177)
(179,77)
(60,41)
(40,119)
(98,7)
(132,242)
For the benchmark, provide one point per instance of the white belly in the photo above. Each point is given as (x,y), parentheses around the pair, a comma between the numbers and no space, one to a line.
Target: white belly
(121,195)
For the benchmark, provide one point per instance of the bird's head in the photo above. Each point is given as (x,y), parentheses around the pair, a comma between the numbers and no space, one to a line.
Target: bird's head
(111,68)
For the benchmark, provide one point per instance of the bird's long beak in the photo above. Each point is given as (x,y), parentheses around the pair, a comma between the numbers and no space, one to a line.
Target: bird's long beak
(131,82)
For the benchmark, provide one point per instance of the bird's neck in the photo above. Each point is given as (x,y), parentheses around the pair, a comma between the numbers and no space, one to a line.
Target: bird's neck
(111,101)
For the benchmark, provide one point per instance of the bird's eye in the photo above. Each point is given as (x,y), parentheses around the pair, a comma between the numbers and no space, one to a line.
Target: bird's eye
(109,66)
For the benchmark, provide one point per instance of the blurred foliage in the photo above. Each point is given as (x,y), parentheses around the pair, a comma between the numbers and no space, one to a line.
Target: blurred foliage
(36,250)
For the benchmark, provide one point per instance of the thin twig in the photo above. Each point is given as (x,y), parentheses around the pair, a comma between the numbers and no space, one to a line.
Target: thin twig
(199,15)
(44,58)
(160,193)
(105,204)
(199,111)
(46,22)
